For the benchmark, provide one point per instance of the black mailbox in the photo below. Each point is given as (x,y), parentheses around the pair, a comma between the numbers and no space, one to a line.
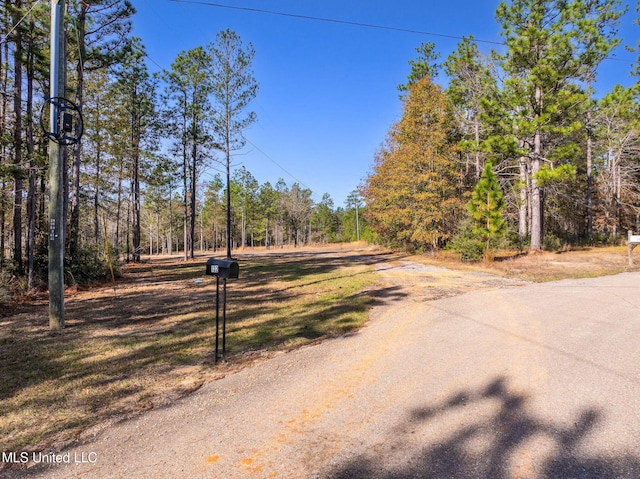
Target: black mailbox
(222,268)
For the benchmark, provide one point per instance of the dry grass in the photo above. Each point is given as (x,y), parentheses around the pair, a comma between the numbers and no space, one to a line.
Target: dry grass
(545,266)
(154,341)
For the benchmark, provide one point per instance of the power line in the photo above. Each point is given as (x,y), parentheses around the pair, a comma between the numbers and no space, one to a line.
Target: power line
(19,22)
(332,20)
(256,147)
(279,166)
(154,62)
(347,22)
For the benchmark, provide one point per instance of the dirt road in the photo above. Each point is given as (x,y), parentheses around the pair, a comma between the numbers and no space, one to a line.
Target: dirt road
(488,379)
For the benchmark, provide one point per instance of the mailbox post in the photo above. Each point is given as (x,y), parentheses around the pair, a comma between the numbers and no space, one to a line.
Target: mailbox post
(225,269)
(632,242)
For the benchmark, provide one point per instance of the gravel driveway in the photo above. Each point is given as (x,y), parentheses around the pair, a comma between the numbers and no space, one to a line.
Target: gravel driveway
(489,378)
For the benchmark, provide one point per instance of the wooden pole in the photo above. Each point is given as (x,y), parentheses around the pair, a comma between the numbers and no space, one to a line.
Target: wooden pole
(56,189)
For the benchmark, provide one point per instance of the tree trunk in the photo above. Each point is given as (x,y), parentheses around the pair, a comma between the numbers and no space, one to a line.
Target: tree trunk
(617,197)
(536,200)
(185,222)
(74,226)
(135,183)
(589,178)
(228,161)
(243,233)
(96,186)
(158,240)
(170,239)
(194,175)
(4,78)
(119,205)
(476,127)
(185,201)
(135,204)
(17,140)
(202,245)
(524,199)
(31,193)
(266,233)
(128,238)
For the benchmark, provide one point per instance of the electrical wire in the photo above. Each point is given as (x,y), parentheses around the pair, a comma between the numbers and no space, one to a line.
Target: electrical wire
(280,166)
(352,23)
(256,147)
(332,20)
(19,22)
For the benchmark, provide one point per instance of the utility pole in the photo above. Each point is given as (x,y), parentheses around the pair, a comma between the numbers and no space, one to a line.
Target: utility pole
(56,166)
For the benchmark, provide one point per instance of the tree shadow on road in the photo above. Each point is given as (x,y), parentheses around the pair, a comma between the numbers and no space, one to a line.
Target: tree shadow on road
(500,445)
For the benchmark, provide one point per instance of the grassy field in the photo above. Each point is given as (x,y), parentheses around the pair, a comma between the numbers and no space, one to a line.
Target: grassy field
(152,340)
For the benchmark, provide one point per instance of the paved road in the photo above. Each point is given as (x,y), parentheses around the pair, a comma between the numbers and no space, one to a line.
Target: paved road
(509,381)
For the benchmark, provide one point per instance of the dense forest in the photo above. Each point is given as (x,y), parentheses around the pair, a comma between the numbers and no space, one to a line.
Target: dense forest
(514,149)
(564,165)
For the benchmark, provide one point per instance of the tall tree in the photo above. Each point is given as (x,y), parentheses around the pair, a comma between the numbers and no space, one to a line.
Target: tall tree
(18,128)
(188,113)
(325,220)
(214,211)
(298,205)
(136,92)
(549,43)
(354,200)
(268,198)
(470,84)
(618,134)
(5,134)
(97,115)
(426,64)
(158,197)
(234,87)
(413,196)
(247,201)
(35,38)
(597,39)
(100,37)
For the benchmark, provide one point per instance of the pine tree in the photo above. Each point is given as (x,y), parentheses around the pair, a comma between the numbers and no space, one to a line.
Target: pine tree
(188,112)
(425,65)
(470,84)
(136,91)
(551,44)
(485,206)
(234,87)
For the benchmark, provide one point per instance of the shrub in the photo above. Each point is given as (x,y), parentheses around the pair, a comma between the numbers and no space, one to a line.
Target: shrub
(6,279)
(466,244)
(91,263)
(552,242)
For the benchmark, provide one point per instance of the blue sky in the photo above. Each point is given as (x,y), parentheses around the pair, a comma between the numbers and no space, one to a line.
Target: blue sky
(328,91)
